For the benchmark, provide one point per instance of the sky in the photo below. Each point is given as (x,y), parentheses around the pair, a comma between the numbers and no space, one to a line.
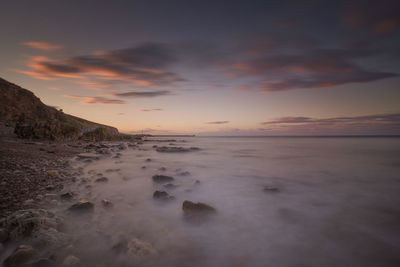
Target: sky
(210,67)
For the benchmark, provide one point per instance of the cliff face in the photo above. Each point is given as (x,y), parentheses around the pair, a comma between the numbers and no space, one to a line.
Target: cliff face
(21,109)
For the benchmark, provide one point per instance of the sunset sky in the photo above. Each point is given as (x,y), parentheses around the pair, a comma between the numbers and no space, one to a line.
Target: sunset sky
(210,67)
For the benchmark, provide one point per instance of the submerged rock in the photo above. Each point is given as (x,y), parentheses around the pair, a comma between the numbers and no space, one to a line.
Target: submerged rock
(271,189)
(170,185)
(159,178)
(107,203)
(27,223)
(21,255)
(82,206)
(148,160)
(190,207)
(162,195)
(71,261)
(88,156)
(101,180)
(67,195)
(176,149)
(134,247)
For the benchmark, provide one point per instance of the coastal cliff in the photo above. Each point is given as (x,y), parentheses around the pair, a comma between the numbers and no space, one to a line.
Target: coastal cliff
(30,118)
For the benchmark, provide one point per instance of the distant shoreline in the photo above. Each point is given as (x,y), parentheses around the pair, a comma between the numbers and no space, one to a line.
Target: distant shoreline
(280,136)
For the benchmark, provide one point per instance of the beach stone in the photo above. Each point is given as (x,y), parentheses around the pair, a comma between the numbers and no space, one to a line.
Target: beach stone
(26,223)
(176,149)
(271,189)
(135,247)
(162,195)
(21,255)
(71,261)
(53,173)
(102,180)
(67,195)
(189,207)
(107,203)
(82,206)
(159,178)
(43,263)
(88,156)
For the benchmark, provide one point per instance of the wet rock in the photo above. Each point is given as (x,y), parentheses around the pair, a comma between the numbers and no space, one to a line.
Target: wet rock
(144,167)
(82,206)
(21,255)
(67,195)
(184,173)
(71,261)
(170,185)
(271,189)
(197,182)
(43,263)
(134,247)
(159,178)
(112,170)
(163,169)
(50,187)
(162,195)
(148,160)
(53,173)
(190,207)
(3,235)
(101,180)
(175,149)
(88,156)
(29,222)
(107,203)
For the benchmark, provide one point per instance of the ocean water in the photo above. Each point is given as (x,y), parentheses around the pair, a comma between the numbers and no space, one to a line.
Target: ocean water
(337,203)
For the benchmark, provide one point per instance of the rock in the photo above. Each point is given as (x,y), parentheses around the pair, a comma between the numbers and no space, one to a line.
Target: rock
(101,180)
(50,187)
(71,261)
(189,207)
(21,255)
(170,185)
(43,263)
(134,247)
(3,235)
(185,173)
(144,167)
(53,173)
(88,156)
(148,160)
(197,182)
(26,223)
(107,203)
(163,169)
(271,189)
(112,170)
(159,178)
(175,149)
(162,195)
(82,206)
(67,195)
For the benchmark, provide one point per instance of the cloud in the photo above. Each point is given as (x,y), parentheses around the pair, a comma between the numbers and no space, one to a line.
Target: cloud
(96,100)
(378,18)
(144,94)
(143,65)
(152,109)
(308,68)
(43,46)
(217,122)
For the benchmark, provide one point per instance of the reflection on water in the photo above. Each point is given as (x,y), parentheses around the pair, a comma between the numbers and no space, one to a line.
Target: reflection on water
(337,204)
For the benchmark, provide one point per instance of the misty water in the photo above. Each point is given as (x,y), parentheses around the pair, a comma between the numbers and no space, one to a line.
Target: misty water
(336,203)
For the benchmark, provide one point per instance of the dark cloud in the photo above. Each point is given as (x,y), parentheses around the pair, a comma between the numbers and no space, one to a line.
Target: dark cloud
(151,109)
(144,94)
(143,65)
(308,68)
(96,100)
(370,119)
(217,122)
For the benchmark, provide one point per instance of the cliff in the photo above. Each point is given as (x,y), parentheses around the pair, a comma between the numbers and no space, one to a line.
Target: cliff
(32,119)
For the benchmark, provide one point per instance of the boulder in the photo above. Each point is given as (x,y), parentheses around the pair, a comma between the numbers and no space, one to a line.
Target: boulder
(190,207)
(107,203)
(82,206)
(21,255)
(101,180)
(67,195)
(134,247)
(159,178)
(71,261)
(162,195)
